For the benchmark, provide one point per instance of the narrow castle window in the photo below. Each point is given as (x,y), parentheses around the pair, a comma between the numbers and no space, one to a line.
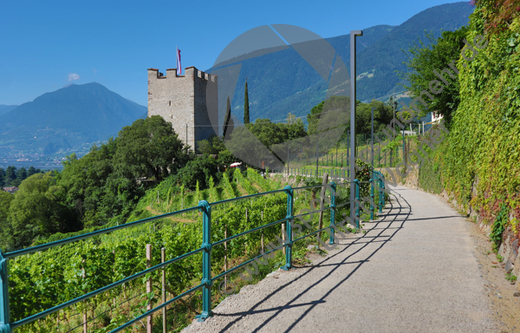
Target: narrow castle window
(169,103)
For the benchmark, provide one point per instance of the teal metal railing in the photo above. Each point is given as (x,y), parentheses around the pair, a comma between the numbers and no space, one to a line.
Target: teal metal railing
(6,326)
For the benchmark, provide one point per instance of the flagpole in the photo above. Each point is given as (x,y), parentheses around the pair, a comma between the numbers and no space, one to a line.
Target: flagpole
(178,56)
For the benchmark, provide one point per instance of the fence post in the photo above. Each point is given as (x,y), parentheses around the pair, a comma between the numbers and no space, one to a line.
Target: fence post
(380,189)
(322,202)
(382,194)
(288,243)
(163,282)
(372,197)
(332,211)
(356,181)
(206,260)
(149,319)
(4,296)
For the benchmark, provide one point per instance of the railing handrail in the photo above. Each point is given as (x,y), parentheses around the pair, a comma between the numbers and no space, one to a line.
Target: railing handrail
(46,246)
(206,246)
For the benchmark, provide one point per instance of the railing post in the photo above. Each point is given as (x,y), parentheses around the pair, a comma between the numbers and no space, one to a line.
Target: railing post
(372,196)
(381,193)
(206,260)
(288,243)
(357,202)
(332,211)
(4,296)
(378,186)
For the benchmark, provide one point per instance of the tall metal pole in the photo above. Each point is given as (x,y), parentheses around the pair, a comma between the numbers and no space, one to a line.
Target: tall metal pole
(372,178)
(393,110)
(353,75)
(287,159)
(316,157)
(372,140)
(404,151)
(348,144)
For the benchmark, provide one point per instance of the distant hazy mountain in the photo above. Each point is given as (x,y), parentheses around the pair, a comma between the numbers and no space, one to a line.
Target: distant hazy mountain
(281,82)
(66,119)
(6,108)
(386,56)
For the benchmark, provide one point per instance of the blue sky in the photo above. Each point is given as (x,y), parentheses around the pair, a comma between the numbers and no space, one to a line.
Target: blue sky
(46,45)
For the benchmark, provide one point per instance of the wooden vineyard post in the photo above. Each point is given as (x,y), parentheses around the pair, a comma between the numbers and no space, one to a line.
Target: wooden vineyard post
(408,148)
(225,258)
(246,224)
(322,202)
(262,239)
(165,325)
(149,287)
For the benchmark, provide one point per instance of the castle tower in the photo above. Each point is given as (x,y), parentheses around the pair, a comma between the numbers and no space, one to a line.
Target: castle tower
(189,102)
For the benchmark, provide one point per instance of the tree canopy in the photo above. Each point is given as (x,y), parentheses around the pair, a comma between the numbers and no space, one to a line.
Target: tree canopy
(37,209)
(432,69)
(149,148)
(14,177)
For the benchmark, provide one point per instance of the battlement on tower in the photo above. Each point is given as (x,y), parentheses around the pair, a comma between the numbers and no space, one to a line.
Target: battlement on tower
(188,72)
(189,102)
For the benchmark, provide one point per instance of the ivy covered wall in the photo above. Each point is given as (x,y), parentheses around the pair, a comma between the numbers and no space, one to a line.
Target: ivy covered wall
(478,165)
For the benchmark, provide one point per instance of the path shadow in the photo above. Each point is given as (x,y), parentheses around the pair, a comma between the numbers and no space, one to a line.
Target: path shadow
(395,217)
(437,218)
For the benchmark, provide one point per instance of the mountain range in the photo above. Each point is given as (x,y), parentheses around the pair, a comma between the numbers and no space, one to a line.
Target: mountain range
(6,108)
(280,81)
(66,120)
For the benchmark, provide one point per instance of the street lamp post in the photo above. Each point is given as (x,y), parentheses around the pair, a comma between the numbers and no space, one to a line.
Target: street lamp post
(353,35)
(372,139)
(404,150)
(316,157)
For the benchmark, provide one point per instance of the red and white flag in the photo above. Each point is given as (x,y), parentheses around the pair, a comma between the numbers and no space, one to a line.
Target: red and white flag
(179,68)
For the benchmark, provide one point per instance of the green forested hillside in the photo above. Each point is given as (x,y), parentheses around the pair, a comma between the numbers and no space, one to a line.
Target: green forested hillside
(283,82)
(386,57)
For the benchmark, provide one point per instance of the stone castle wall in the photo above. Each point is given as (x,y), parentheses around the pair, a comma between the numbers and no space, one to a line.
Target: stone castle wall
(206,105)
(186,101)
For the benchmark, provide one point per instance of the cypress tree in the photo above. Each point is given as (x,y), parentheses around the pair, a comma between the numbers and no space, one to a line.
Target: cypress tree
(246,105)
(228,122)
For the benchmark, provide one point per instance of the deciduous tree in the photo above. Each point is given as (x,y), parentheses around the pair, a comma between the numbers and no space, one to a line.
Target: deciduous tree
(149,148)
(426,72)
(38,210)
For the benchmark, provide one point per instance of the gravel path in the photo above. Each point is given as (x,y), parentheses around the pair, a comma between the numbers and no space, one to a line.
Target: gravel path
(413,271)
